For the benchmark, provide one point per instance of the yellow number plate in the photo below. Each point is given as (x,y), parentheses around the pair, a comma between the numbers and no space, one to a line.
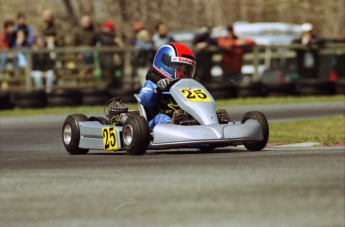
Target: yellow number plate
(109,138)
(195,95)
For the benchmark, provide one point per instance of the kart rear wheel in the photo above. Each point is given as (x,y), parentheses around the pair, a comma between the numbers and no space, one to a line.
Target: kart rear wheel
(260,117)
(135,135)
(71,134)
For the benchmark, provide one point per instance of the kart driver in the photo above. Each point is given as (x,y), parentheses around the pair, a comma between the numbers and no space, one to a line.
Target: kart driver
(171,61)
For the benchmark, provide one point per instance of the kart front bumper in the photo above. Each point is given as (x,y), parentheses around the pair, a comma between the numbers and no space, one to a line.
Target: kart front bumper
(174,136)
(169,135)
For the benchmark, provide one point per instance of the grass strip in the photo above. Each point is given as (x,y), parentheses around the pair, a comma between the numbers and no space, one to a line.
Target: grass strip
(326,131)
(278,100)
(220,103)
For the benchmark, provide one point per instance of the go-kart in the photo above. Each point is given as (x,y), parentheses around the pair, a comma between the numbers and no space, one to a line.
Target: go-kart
(129,131)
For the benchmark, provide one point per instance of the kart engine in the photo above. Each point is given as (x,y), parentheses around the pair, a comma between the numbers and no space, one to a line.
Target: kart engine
(115,109)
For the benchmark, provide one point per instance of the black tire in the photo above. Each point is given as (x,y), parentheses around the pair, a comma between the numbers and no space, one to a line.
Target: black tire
(93,96)
(315,87)
(135,135)
(30,99)
(251,89)
(126,95)
(94,100)
(30,103)
(66,97)
(123,91)
(5,100)
(221,90)
(260,117)
(37,94)
(71,134)
(340,86)
(280,89)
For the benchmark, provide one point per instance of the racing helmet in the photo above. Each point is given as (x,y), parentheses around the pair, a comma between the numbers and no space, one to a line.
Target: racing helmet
(174,61)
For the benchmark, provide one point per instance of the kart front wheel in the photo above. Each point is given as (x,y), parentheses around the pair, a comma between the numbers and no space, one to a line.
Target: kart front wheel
(71,134)
(260,117)
(135,135)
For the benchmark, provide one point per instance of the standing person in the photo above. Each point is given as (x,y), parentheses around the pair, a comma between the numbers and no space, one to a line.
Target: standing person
(7,36)
(7,40)
(308,58)
(143,55)
(108,60)
(22,25)
(42,66)
(232,54)
(161,37)
(21,42)
(85,36)
(201,41)
(137,27)
(50,30)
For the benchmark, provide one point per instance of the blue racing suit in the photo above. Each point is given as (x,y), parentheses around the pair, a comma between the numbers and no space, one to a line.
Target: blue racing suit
(159,106)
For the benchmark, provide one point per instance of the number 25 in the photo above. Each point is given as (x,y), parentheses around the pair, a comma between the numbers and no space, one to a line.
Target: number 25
(109,137)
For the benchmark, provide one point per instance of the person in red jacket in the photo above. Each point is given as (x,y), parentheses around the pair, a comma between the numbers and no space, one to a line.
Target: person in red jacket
(232,56)
(7,40)
(7,36)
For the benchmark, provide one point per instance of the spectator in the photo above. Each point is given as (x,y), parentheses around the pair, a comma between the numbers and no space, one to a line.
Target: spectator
(19,60)
(22,25)
(201,41)
(21,40)
(143,56)
(161,37)
(232,54)
(42,66)
(7,40)
(308,58)
(50,30)
(137,27)
(109,62)
(7,37)
(86,36)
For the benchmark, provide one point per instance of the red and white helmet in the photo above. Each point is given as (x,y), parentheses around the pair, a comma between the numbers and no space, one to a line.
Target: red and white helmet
(173,61)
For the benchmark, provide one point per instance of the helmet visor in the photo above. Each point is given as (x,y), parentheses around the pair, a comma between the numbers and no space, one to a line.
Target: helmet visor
(184,66)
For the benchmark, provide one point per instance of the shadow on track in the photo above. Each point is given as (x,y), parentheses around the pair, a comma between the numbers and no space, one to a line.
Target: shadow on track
(173,152)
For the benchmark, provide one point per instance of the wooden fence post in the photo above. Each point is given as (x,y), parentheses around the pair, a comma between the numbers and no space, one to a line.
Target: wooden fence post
(28,84)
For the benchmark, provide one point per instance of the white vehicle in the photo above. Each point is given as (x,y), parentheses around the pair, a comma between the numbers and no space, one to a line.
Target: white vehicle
(266,34)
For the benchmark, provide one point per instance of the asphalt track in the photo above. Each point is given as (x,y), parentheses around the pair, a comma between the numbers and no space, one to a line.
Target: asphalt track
(41,185)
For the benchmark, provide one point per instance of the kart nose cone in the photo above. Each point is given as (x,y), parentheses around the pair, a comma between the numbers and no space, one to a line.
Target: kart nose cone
(67,134)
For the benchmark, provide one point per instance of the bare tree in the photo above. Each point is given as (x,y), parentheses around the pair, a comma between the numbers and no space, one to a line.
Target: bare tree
(70,11)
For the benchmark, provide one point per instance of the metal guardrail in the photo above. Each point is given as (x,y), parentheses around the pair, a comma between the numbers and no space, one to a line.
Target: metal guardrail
(258,53)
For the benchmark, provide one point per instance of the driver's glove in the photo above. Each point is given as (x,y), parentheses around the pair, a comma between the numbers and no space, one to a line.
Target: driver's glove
(163,84)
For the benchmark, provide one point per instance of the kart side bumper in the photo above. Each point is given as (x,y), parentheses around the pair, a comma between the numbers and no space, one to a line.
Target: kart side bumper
(91,135)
